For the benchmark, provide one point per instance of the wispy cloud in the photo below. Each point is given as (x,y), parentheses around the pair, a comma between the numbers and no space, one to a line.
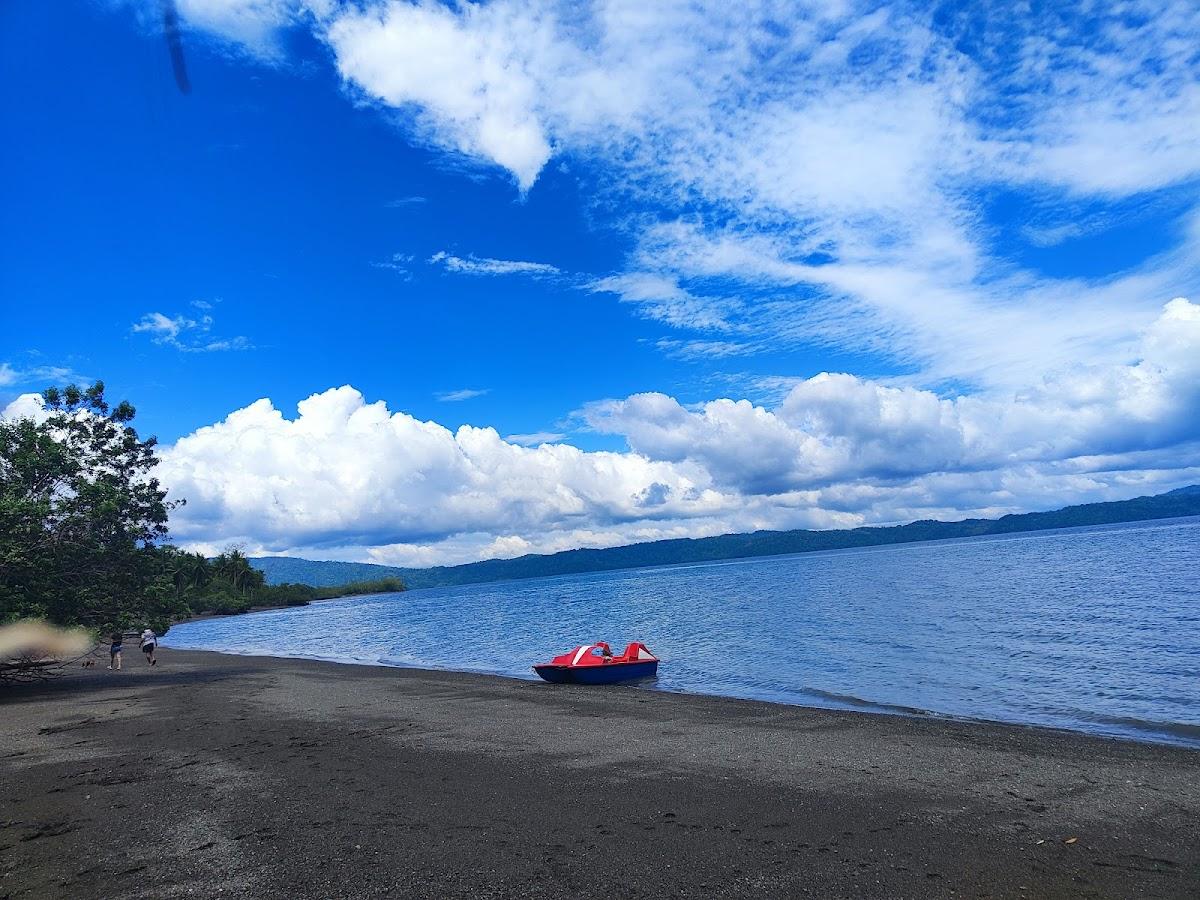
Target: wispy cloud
(801,176)
(12,376)
(186,334)
(252,26)
(535,438)
(403,201)
(399,263)
(702,349)
(462,394)
(475,265)
(659,296)
(824,182)
(234,343)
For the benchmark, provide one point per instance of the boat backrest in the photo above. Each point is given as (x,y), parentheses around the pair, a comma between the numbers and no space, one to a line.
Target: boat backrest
(579,654)
(638,650)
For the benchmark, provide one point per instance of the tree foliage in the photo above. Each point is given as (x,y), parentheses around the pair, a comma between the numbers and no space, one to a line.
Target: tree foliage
(83,528)
(229,584)
(80,515)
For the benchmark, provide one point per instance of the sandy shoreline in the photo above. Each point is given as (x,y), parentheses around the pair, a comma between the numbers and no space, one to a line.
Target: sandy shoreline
(288,778)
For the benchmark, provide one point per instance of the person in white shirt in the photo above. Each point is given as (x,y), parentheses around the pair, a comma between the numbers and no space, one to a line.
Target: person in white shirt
(149,645)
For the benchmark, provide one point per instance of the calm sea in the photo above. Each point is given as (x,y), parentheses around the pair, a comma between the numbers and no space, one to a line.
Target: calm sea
(1094,629)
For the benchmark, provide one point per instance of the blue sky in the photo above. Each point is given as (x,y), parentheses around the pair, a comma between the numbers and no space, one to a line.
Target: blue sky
(680,269)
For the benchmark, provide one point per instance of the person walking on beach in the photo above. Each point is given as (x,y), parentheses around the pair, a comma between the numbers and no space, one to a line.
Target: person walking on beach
(149,645)
(114,650)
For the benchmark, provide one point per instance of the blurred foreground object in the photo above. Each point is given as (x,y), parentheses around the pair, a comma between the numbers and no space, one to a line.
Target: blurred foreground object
(31,650)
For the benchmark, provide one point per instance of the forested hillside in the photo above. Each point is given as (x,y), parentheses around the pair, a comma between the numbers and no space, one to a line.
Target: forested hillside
(1182,502)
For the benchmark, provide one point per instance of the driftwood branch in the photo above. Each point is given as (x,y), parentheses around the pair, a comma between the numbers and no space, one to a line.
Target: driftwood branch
(28,668)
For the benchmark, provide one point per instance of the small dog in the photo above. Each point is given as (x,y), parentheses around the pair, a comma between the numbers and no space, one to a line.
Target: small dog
(89,664)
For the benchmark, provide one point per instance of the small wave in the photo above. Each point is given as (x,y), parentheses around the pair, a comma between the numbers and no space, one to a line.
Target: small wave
(1182,731)
(859,703)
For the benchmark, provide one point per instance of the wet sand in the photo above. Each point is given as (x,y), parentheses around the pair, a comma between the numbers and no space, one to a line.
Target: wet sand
(240,776)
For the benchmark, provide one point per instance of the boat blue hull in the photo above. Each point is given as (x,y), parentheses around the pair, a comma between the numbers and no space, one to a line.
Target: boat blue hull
(598,674)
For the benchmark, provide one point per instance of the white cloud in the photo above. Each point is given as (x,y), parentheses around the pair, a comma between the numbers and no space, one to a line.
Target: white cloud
(838,428)
(534,438)
(233,343)
(162,328)
(791,175)
(948,328)
(474,265)
(399,264)
(808,173)
(45,375)
(26,406)
(464,71)
(354,479)
(252,24)
(188,335)
(702,349)
(462,394)
(348,472)
(1105,100)
(660,297)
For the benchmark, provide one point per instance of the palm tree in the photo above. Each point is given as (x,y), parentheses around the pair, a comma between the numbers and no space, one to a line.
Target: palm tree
(235,568)
(199,571)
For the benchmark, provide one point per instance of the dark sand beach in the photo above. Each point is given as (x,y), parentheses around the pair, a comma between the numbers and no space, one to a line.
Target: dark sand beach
(238,776)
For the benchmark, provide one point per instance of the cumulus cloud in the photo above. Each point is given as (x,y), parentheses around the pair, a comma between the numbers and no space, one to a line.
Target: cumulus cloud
(350,478)
(836,428)
(26,406)
(348,472)
(792,175)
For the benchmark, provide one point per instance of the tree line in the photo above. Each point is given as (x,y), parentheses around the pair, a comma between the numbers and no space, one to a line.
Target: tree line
(229,584)
(84,528)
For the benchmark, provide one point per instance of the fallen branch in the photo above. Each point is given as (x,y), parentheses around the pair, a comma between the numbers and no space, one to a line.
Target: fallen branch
(25,669)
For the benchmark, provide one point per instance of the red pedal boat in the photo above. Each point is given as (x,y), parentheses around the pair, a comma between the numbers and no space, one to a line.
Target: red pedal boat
(595,664)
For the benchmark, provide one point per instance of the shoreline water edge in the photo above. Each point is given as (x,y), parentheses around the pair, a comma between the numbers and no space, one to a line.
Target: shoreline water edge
(258,776)
(1045,631)
(1172,734)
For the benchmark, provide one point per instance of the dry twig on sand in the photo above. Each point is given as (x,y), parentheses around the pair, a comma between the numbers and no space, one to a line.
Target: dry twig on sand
(34,651)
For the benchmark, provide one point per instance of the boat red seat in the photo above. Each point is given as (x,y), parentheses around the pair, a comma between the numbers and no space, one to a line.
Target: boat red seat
(597,664)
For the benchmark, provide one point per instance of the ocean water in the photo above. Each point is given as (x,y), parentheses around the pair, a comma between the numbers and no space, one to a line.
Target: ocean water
(1093,629)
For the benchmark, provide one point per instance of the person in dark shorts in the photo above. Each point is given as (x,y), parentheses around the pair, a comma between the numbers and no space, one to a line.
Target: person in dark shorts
(114,650)
(149,645)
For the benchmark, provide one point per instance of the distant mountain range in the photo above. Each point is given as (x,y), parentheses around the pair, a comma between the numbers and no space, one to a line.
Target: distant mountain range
(279,569)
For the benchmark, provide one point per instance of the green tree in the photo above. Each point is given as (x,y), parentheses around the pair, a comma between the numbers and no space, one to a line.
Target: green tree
(233,568)
(80,516)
